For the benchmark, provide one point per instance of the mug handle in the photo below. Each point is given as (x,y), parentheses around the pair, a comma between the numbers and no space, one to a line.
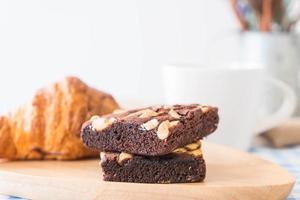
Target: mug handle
(284,112)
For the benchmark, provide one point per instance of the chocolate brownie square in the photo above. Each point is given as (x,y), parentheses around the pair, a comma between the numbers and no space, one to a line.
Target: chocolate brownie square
(181,166)
(152,131)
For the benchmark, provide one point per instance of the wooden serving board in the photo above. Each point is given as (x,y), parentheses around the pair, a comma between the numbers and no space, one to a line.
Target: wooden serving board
(231,175)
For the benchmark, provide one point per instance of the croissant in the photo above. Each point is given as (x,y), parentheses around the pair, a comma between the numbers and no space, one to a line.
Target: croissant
(49,126)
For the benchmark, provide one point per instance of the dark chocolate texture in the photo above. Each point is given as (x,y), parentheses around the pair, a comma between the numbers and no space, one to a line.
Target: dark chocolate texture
(152,131)
(181,166)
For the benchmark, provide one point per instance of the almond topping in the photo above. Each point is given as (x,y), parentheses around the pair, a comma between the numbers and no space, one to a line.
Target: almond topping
(94,117)
(204,109)
(180,150)
(101,123)
(192,146)
(123,157)
(174,114)
(195,153)
(152,124)
(163,131)
(173,123)
(148,113)
(102,156)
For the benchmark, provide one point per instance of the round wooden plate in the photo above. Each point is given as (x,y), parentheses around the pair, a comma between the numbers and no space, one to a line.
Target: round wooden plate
(231,174)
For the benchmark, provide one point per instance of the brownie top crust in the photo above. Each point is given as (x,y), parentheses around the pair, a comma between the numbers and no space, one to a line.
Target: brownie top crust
(151,131)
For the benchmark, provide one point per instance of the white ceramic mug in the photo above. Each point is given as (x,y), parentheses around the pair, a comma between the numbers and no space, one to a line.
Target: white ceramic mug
(238,93)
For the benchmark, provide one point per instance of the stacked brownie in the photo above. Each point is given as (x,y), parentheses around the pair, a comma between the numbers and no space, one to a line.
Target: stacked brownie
(158,144)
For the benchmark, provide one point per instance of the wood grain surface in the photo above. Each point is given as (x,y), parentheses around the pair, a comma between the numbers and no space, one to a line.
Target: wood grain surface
(231,174)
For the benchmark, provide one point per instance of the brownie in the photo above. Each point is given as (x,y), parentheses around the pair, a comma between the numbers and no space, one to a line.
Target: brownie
(181,166)
(151,131)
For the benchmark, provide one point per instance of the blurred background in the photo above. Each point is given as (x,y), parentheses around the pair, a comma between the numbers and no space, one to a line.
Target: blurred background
(118,46)
(121,47)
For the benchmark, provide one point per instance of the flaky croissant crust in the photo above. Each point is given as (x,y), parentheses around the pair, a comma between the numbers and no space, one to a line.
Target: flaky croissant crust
(49,126)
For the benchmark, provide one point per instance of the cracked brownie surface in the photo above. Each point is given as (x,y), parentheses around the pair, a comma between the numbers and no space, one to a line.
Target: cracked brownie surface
(151,131)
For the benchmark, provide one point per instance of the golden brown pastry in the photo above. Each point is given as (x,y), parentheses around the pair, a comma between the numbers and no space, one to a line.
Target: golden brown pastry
(49,126)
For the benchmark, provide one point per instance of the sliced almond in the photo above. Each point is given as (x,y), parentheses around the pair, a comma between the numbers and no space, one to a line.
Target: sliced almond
(144,113)
(163,130)
(94,117)
(148,113)
(99,123)
(195,153)
(174,114)
(102,123)
(173,123)
(102,156)
(152,124)
(204,109)
(180,150)
(123,157)
(192,146)
(112,120)
(133,114)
